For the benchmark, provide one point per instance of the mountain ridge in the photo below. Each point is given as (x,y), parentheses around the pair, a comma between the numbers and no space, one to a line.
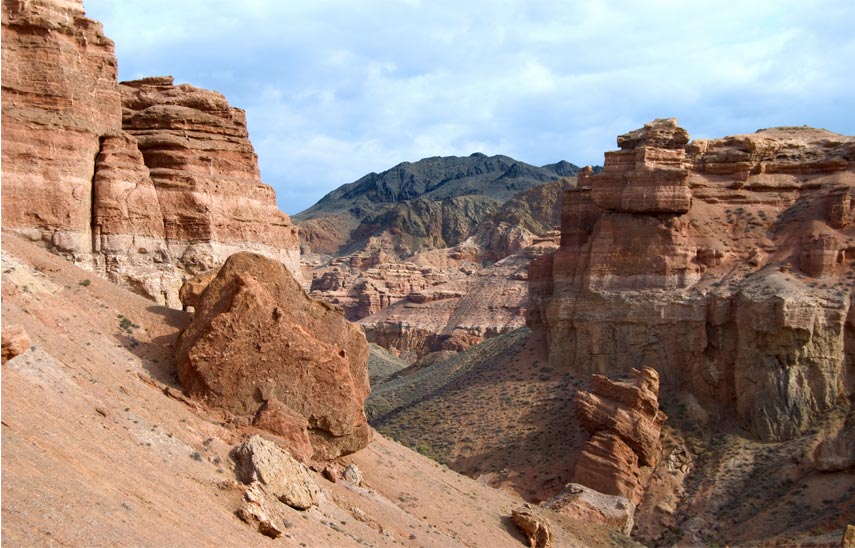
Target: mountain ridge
(347,217)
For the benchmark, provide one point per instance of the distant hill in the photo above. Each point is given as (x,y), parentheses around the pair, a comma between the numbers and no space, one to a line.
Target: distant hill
(435,202)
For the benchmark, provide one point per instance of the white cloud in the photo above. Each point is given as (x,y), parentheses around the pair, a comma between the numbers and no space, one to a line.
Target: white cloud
(334,89)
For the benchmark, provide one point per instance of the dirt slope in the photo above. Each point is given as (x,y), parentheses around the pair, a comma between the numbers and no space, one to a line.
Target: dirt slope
(100,448)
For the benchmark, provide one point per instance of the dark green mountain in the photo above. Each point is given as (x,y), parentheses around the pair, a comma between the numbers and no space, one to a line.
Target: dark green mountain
(435,202)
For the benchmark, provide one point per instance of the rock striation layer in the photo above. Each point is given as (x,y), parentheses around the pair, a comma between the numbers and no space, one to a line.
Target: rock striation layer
(625,422)
(145,182)
(60,97)
(261,350)
(724,264)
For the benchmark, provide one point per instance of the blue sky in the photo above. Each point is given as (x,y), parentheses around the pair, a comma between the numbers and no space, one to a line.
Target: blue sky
(335,89)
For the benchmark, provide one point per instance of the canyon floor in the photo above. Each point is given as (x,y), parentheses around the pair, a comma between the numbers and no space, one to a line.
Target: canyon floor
(498,412)
(101,448)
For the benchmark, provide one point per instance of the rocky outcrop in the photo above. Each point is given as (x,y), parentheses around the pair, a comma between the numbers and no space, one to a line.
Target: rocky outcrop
(145,182)
(209,188)
(473,305)
(625,422)
(647,174)
(273,480)
(257,344)
(60,97)
(363,288)
(15,341)
(533,526)
(584,504)
(724,264)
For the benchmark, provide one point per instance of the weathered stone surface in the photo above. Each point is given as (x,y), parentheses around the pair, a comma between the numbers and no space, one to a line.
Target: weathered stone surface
(608,465)
(629,410)
(145,183)
(262,461)
(254,509)
(533,526)
(741,296)
(647,175)
(848,540)
(584,504)
(277,418)
(625,422)
(60,96)
(256,336)
(353,474)
(192,288)
(205,170)
(15,341)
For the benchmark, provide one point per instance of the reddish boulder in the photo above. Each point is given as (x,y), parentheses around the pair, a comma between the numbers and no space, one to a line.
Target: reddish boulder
(257,337)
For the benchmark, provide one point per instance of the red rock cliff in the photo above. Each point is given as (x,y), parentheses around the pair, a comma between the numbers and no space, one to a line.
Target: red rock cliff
(145,182)
(725,264)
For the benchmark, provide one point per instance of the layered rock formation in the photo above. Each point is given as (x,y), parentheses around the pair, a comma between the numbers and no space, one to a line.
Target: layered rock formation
(60,96)
(625,422)
(451,298)
(260,349)
(724,264)
(474,304)
(145,183)
(209,188)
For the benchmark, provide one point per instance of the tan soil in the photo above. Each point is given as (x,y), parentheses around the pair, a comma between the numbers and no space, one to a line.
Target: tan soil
(100,447)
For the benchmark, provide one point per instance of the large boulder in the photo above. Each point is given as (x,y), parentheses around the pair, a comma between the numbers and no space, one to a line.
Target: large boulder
(256,337)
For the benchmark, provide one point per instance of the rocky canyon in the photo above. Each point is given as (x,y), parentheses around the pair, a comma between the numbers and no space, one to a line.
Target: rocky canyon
(457,351)
(724,264)
(145,182)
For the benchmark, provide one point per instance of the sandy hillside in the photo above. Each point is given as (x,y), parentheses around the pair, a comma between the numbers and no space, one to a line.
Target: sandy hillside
(100,447)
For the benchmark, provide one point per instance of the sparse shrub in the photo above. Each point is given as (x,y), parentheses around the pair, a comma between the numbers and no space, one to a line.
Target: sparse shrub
(86,282)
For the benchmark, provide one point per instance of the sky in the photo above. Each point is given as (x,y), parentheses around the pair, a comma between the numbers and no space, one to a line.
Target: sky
(336,89)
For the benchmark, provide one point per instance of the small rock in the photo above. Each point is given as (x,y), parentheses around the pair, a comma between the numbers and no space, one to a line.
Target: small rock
(353,474)
(533,526)
(101,411)
(15,342)
(253,512)
(848,537)
(330,473)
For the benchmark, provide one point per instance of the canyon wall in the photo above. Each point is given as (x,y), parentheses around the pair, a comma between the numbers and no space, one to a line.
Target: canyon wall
(144,182)
(725,264)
